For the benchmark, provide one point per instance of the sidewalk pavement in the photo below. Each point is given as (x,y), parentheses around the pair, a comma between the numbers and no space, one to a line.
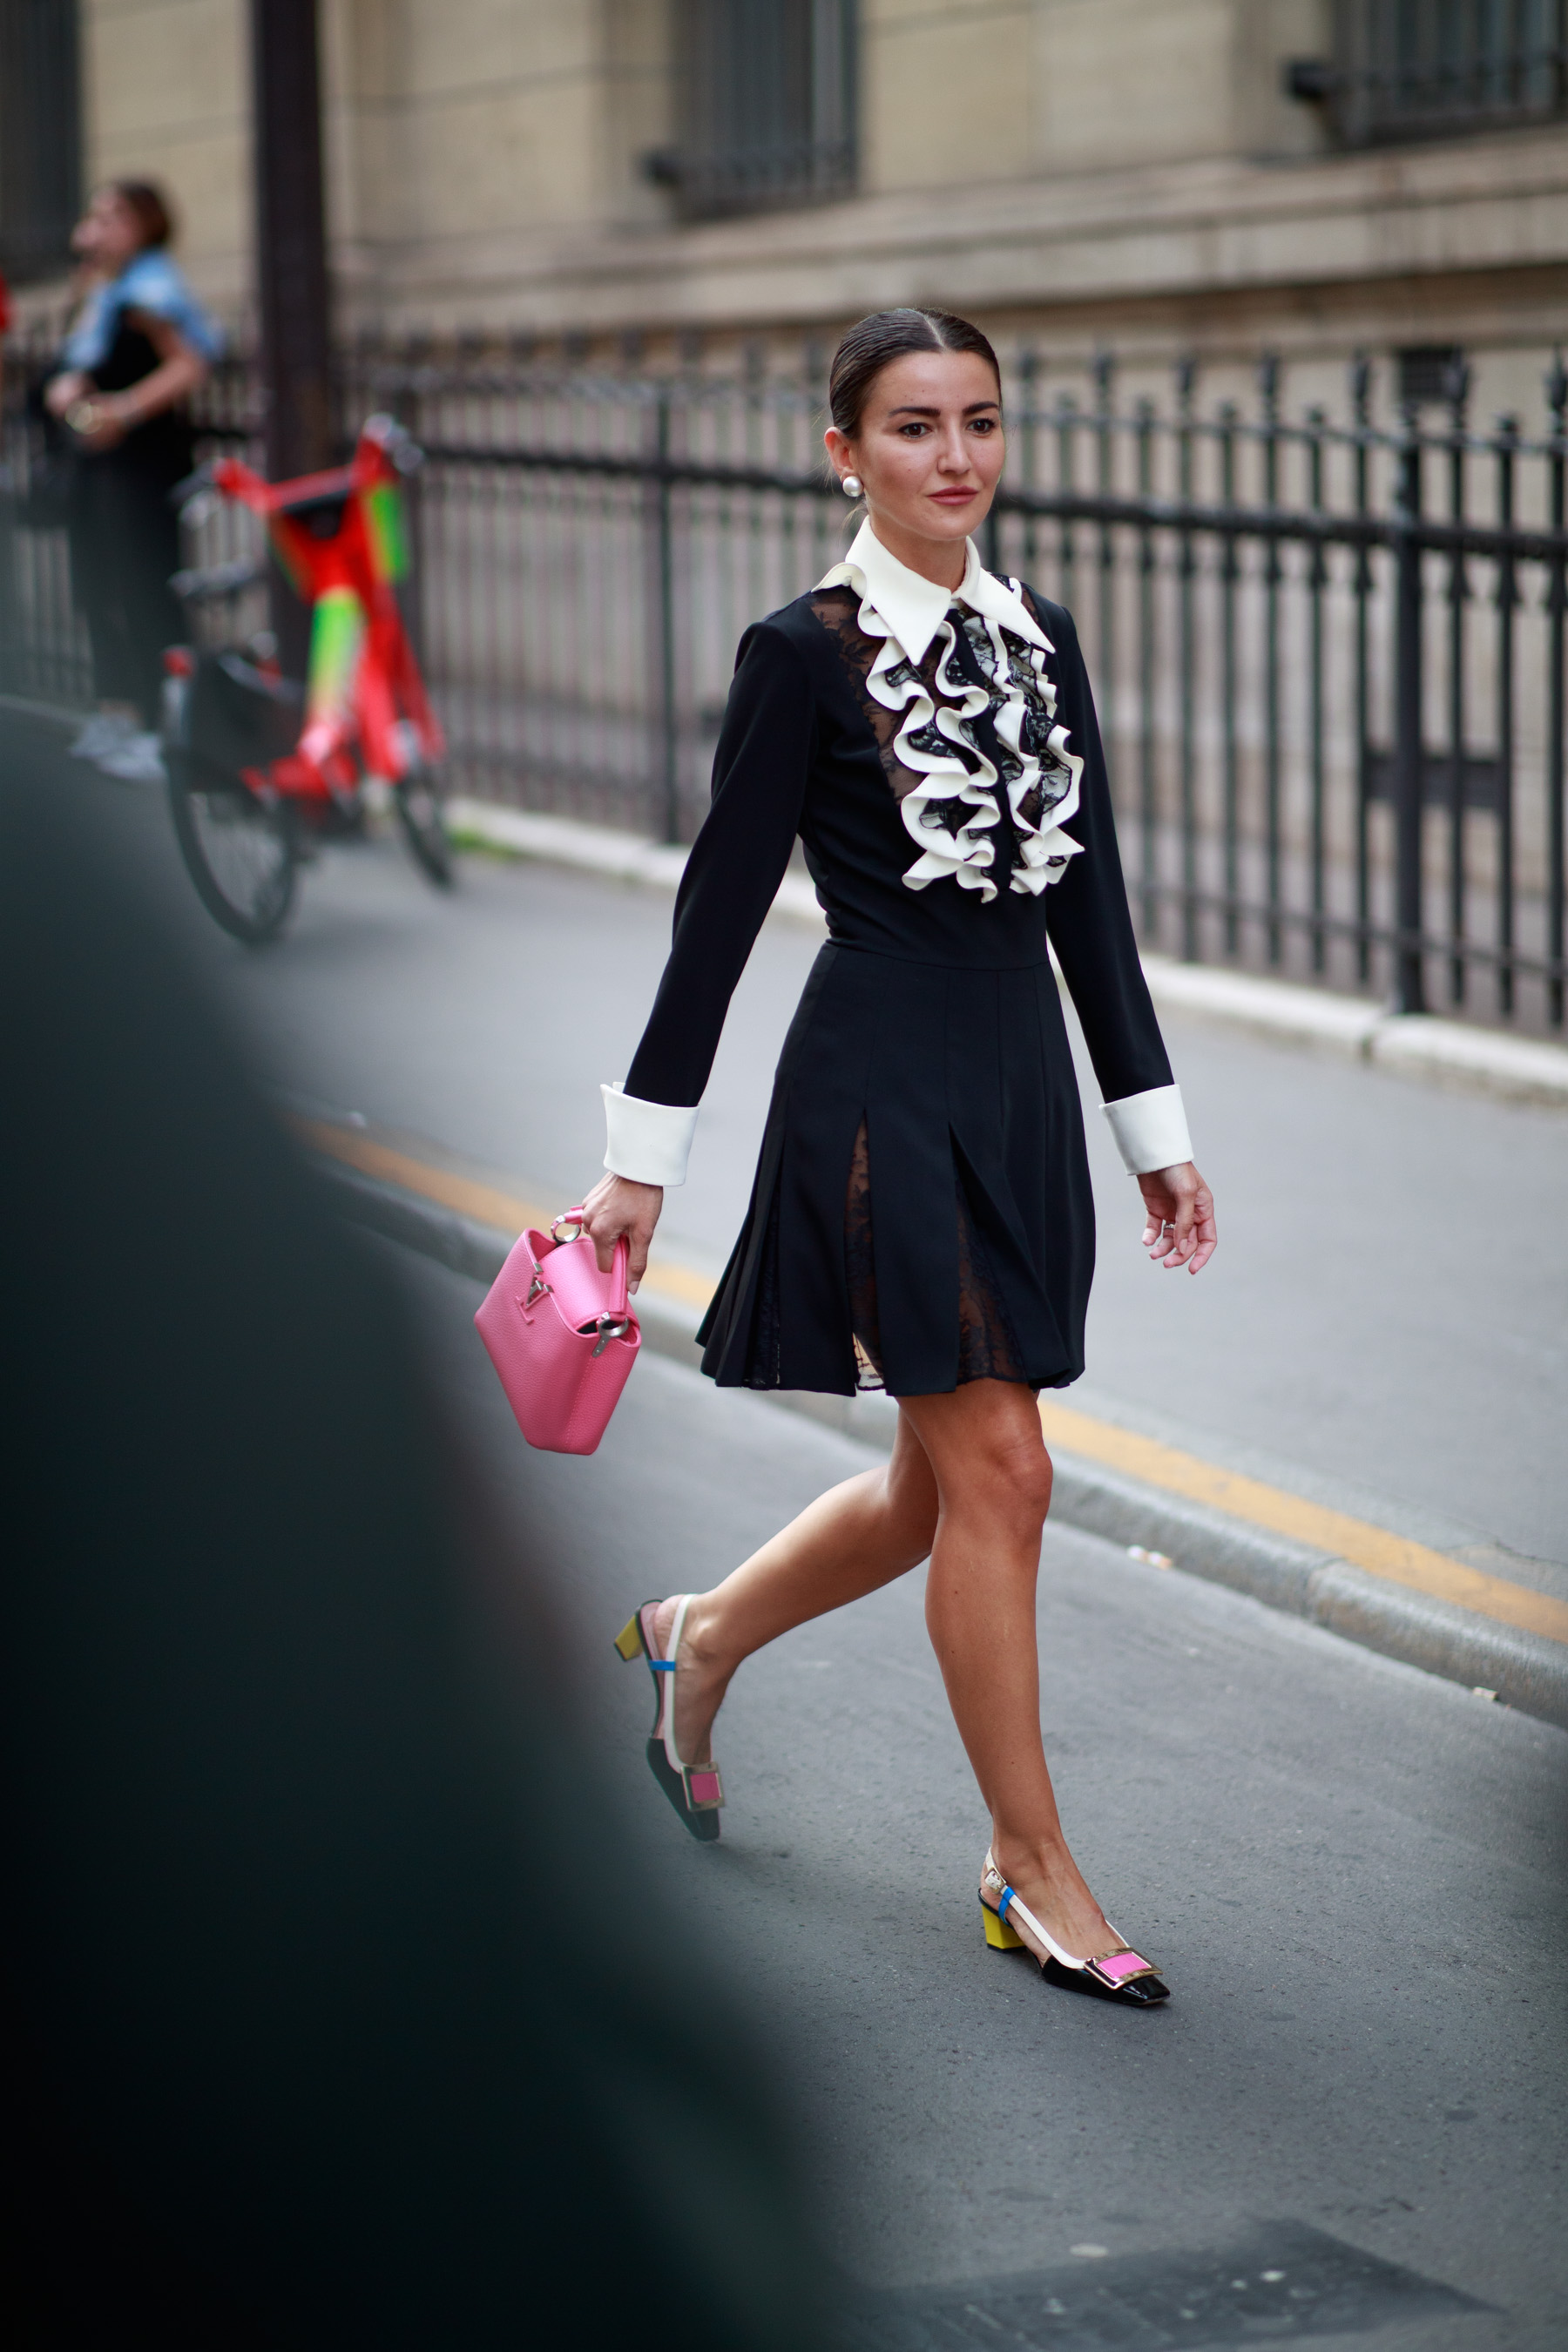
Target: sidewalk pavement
(1451,1053)
(1370,1583)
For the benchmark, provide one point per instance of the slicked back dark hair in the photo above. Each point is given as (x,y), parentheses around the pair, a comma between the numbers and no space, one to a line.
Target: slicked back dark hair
(874,343)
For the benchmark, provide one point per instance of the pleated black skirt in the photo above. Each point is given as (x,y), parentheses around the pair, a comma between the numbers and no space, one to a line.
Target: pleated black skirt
(921,1213)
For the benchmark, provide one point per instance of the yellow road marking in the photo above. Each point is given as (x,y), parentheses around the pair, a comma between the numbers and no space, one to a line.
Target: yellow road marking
(483,1202)
(1376,1549)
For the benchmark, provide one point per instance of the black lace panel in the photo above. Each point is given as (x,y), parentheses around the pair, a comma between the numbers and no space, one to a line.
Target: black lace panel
(838,610)
(987,1345)
(860,1266)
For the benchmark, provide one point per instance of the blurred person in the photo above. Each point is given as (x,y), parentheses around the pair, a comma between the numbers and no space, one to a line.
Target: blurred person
(333,2010)
(139,345)
(922,1219)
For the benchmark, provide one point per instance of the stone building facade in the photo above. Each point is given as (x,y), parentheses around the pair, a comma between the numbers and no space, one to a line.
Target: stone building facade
(1127,172)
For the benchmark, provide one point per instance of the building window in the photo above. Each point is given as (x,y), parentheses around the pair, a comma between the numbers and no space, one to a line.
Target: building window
(765,109)
(40,136)
(1427,68)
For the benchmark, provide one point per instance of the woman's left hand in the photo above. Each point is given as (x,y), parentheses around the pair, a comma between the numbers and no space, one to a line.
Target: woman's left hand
(1179,1227)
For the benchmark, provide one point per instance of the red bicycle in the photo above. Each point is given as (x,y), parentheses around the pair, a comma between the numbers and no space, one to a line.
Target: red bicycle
(260,766)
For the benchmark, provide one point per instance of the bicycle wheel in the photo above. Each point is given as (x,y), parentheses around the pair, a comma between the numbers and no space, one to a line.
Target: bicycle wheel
(423,826)
(241,851)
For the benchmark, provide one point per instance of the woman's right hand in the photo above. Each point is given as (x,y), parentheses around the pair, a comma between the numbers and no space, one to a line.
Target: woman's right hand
(618,1206)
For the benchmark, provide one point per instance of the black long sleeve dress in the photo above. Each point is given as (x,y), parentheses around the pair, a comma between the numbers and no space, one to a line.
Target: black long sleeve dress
(921,1213)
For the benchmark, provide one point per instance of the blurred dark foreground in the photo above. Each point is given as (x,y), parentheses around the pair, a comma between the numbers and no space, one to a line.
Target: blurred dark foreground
(335,2009)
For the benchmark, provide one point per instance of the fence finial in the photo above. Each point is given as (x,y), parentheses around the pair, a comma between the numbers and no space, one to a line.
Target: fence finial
(1556,388)
(1457,385)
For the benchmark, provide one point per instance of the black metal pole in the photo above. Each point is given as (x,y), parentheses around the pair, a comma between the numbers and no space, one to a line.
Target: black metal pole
(290,238)
(1186,376)
(1557,608)
(1360,398)
(290,265)
(1409,995)
(668,715)
(1273,574)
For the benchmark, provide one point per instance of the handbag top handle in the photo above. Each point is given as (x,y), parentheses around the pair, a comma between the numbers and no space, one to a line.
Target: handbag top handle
(617,1309)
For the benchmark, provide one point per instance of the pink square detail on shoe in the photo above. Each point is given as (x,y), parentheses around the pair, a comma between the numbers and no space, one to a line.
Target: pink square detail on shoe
(705,1789)
(1118,1966)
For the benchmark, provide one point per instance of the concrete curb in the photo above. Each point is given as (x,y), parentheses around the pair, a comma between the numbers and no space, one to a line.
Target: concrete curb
(1524,1670)
(47,714)
(1446,1053)
(1519,1069)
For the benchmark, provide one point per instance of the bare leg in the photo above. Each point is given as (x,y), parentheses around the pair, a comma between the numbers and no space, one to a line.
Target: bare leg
(851,1540)
(969,1484)
(994,1482)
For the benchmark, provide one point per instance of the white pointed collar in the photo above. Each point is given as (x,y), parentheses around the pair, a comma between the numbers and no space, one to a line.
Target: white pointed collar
(914,607)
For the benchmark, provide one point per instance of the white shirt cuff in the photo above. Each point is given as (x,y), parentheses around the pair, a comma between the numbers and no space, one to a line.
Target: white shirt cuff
(649,1142)
(1151,1129)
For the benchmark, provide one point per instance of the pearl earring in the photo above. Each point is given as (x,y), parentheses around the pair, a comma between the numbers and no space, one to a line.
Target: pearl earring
(850,485)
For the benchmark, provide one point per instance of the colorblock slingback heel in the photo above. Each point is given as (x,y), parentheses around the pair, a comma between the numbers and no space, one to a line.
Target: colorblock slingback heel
(694,1790)
(1125,1976)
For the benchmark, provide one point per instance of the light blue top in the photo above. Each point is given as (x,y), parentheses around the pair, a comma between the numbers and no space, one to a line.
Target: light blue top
(150,282)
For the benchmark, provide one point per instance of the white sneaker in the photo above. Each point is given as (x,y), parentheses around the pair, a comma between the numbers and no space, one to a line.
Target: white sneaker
(138,761)
(111,730)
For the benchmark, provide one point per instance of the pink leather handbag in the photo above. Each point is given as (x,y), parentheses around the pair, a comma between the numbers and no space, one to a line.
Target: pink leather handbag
(562,1336)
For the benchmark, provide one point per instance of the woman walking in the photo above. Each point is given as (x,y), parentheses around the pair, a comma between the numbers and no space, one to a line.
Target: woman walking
(138,348)
(921,1219)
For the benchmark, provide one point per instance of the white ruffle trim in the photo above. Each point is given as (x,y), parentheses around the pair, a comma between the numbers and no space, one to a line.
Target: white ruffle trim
(649,1142)
(1151,1129)
(1018,668)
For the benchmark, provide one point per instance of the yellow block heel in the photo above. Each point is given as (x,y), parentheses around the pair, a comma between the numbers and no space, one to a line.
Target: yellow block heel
(628,1640)
(998,1935)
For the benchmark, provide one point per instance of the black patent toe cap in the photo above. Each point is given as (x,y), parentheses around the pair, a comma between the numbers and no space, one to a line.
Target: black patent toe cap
(1143,1992)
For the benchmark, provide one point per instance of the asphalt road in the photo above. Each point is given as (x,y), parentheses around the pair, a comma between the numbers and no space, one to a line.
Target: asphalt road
(1384,1330)
(1349,2119)
(1351,1873)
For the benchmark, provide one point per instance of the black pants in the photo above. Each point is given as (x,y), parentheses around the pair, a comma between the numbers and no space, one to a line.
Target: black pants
(124,543)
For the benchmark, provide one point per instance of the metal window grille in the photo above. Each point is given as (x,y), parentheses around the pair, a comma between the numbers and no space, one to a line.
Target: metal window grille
(766,104)
(40,135)
(1427,68)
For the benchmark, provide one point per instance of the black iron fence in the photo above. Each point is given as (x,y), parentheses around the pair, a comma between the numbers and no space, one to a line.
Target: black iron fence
(1328,649)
